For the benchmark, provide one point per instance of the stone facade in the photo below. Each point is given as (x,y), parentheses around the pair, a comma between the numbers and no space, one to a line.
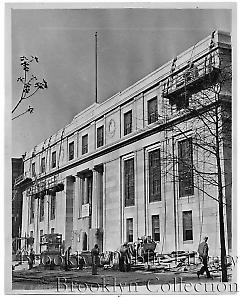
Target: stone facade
(17,170)
(89,177)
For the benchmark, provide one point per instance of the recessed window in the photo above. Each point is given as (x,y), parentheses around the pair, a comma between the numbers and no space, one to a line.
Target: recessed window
(182,102)
(129,185)
(187,226)
(52,230)
(152,110)
(43,165)
(41,234)
(71,151)
(154,176)
(128,122)
(185,167)
(89,181)
(33,169)
(155,228)
(41,209)
(129,230)
(32,204)
(85,144)
(100,136)
(54,160)
(53,207)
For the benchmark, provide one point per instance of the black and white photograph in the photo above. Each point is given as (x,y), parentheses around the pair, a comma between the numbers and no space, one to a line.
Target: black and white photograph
(122,136)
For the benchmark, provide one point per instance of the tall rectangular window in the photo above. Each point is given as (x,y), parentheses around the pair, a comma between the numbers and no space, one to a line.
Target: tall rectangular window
(185,167)
(43,165)
(89,189)
(33,169)
(41,209)
(152,110)
(129,185)
(155,228)
(187,225)
(100,136)
(41,234)
(54,160)
(128,122)
(53,207)
(85,144)
(154,176)
(32,204)
(71,151)
(129,230)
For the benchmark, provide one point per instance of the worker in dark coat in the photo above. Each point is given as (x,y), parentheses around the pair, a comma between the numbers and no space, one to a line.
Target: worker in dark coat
(203,255)
(124,260)
(67,259)
(31,259)
(95,259)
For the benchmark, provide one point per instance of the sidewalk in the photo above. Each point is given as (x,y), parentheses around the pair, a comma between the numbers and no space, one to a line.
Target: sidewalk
(107,281)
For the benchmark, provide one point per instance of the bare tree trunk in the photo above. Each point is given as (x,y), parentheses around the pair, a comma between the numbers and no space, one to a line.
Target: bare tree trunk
(220,202)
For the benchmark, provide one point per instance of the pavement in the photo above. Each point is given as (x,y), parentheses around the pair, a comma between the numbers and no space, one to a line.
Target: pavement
(108,281)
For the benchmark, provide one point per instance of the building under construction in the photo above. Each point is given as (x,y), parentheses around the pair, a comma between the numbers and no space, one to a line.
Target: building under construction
(153,160)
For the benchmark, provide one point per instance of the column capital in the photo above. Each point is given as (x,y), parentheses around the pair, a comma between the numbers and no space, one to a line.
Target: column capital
(72,178)
(98,168)
(82,174)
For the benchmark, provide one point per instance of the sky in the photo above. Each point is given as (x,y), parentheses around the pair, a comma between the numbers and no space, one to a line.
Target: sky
(131,44)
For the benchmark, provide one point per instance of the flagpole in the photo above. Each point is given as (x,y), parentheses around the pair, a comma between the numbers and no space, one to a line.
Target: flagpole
(96,86)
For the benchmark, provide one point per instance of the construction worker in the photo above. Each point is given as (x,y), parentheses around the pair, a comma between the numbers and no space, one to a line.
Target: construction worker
(67,259)
(124,260)
(31,259)
(203,255)
(95,259)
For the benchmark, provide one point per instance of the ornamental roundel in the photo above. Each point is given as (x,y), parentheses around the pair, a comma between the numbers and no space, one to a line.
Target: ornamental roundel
(111,127)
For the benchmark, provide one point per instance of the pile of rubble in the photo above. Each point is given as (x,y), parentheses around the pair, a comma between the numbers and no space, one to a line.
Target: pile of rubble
(143,256)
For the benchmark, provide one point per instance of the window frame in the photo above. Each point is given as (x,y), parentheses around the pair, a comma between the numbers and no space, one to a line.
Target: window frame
(53,209)
(152,115)
(129,182)
(33,168)
(127,124)
(43,164)
(71,150)
(129,232)
(54,164)
(185,236)
(154,171)
(41,233)
(100,140)
(41,210)
(185,169)
(84,145)
(89,190)
(153,228)
(32,212)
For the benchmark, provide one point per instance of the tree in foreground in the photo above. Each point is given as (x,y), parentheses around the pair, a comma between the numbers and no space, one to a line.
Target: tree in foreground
(199,100)
(30,83)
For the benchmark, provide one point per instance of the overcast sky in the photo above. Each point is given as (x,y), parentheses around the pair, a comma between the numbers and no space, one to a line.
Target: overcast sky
(131,44)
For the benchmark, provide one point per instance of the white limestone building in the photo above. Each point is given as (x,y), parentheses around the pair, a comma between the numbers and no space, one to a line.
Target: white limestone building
(130,166)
